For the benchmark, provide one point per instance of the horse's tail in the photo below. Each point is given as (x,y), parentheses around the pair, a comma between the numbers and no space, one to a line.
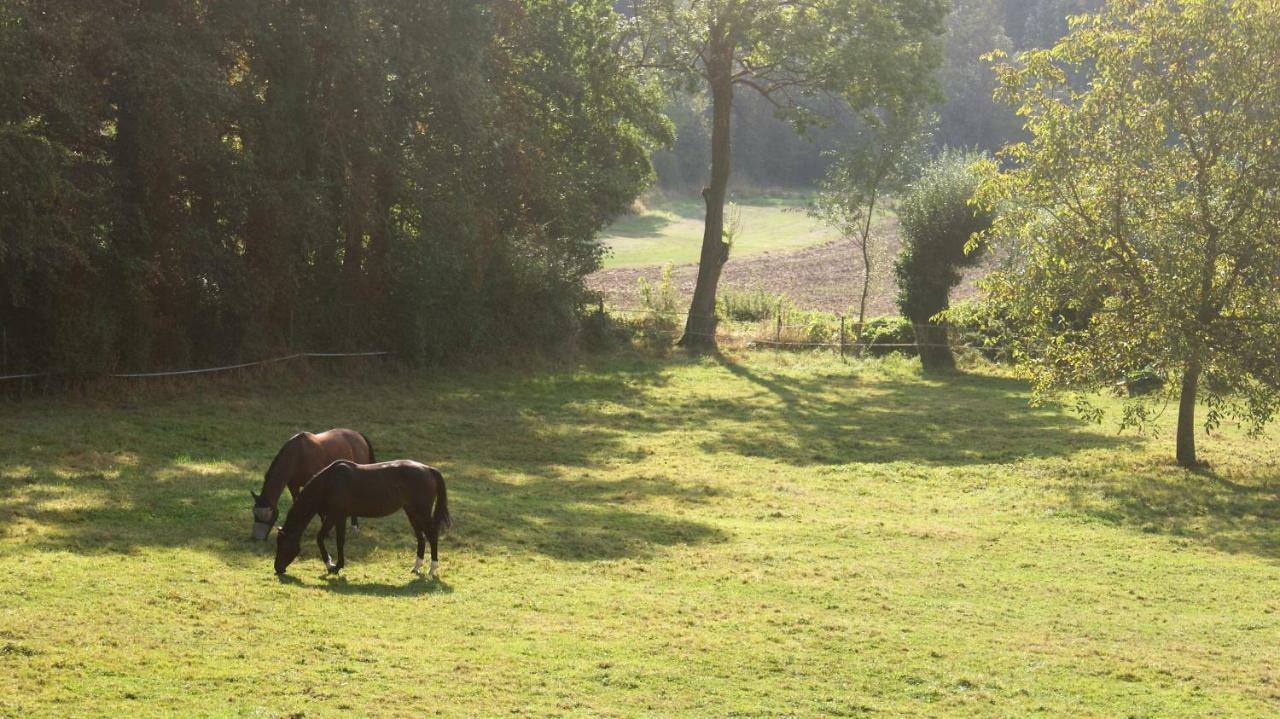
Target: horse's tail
(441,517)
(369,445)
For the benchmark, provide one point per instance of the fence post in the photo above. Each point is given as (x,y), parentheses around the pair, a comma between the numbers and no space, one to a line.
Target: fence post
(777,333)
(841,338)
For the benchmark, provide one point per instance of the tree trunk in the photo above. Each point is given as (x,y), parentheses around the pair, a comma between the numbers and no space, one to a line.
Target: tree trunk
(866,272)
(931,343)
(700,328)
(1187,414)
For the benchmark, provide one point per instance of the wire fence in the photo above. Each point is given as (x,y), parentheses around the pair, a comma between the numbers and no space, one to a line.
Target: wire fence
(849,341)
(851,334)
(208,370)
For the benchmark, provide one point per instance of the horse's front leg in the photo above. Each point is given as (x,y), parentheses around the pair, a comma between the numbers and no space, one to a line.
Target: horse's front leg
(341,524)
(325,525)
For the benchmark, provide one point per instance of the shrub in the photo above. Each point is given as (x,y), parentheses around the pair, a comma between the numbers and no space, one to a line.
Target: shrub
(882,333)
(748,305)
(937,222)
(984,326)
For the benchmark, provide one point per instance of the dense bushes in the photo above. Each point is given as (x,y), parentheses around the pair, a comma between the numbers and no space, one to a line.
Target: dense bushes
(937,222)
(187,182)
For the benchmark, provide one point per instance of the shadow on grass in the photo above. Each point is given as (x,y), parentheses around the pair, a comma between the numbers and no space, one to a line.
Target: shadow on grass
(180,477)
(412,587)
(1200,506)
(953,419)
(539,463)
(638,226)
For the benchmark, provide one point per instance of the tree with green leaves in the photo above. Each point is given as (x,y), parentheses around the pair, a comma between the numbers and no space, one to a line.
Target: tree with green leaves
(1144,212)
(938,221)
(879,158)
(207,181)
(867,53)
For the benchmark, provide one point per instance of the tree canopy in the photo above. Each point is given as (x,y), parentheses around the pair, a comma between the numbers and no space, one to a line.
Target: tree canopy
(215,180)
(1144,212)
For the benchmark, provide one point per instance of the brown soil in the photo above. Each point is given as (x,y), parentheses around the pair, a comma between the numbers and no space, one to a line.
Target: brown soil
(823,277)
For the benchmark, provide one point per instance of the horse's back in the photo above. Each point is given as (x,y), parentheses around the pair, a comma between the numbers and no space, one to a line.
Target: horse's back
(379,489)
(321,449)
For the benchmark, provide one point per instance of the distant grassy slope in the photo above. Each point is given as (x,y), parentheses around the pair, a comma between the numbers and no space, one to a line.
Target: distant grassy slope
(670,230)
(778,536)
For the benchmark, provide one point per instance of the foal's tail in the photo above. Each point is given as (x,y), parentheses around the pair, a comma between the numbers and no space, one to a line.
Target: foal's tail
(368,444)
(441,516)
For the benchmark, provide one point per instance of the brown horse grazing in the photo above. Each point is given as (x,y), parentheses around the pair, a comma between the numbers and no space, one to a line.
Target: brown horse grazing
(299,460)
(346,489)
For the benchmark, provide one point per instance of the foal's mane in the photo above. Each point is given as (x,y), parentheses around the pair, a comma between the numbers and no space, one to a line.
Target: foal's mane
(307,505)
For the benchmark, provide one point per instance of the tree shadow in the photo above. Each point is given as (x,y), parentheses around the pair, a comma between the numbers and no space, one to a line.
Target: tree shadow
(1232,515)
(640,226)
(180,476)
(953,419)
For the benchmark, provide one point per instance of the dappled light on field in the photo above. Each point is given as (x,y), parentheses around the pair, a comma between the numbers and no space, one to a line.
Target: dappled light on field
(928,542)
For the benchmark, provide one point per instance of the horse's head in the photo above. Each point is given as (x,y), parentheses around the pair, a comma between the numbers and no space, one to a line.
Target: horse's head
(264,517)
(287,548)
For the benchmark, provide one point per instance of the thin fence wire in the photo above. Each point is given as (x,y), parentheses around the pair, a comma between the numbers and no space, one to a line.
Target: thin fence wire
(209,370)
(851,345)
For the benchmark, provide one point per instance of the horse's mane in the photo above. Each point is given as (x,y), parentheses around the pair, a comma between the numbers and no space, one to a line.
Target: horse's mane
(270,492)
(305,506)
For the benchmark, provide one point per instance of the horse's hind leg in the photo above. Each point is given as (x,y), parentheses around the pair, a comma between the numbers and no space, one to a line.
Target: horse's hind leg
(325,525)
(341,524)
(419,531)
(355,524)
(433,536)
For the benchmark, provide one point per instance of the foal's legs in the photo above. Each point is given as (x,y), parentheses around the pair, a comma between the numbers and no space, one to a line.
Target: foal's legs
(341,524)
(419,531)
(325,525)
(433,536)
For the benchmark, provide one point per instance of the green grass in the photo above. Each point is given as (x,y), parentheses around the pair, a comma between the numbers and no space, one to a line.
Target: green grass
(670,230)
(777,536)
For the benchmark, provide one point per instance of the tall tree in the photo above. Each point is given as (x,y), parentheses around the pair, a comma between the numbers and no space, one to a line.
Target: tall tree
(189,181)
(1144,211)
(938,221)
(867,52)
(879,158)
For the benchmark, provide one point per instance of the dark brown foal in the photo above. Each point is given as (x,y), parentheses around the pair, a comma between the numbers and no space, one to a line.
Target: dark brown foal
(345,489)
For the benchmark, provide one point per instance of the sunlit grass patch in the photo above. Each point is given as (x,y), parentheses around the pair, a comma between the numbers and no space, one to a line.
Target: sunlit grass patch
(765,534)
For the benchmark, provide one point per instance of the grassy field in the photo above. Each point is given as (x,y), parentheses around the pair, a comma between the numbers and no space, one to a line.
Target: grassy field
(772,536)
(670,230)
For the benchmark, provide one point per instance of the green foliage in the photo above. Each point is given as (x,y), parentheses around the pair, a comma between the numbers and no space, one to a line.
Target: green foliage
(662,304)
(196,182)
(1142,213)
(985,325)
(938,219)
(869,53)
(748,305)
(889,335)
